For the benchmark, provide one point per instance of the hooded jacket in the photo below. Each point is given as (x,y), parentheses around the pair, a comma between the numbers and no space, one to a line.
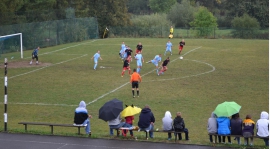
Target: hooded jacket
(212,123)
(81,113)
(223,125)
(263,125)
(167,121)
(145,118)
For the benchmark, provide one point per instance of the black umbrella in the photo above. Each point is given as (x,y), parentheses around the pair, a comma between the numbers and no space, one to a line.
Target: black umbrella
(110,110)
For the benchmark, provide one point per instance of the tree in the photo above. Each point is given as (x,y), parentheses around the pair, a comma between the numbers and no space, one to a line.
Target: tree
(161,6)
(258,9)
(245,26)
(138,6)
(181,14)
(204,22)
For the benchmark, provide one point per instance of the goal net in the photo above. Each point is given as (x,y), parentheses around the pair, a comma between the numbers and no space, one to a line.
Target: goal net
(11,43)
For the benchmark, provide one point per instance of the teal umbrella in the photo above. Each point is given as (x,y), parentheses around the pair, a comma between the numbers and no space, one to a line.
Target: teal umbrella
(227,109)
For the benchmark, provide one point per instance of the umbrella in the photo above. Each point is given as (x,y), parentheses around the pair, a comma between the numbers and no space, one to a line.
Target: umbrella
(110,110)
(130,111)
(227,109)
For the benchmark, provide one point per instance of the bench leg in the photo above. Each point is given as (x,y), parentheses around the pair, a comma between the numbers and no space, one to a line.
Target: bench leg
(117,132)
(79,130)
(51,129)
(25,127)
(215,139)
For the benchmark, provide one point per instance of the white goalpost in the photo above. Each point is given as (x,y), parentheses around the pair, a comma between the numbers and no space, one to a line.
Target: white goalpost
(8,36)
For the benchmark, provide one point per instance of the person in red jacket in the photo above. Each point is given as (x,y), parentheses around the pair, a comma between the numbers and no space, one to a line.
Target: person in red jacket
(129,123)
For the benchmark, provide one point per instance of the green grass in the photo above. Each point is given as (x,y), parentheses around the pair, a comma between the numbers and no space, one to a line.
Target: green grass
(220,70)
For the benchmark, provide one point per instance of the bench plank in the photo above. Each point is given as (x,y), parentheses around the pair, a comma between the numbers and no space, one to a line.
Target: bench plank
(51,125)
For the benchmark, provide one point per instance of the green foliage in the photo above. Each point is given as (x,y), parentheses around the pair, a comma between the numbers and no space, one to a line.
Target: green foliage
(245,26)
(181,14)
(154,25)
(161,6)
(258,9)
(204,22)
(138,6)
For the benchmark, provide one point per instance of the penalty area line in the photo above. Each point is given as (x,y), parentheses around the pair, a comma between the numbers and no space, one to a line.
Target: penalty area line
(46,67)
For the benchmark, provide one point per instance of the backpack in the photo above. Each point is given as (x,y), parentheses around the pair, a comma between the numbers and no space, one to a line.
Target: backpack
(179,125)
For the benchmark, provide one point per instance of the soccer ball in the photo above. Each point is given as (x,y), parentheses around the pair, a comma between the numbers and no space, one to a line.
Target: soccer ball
(181,57)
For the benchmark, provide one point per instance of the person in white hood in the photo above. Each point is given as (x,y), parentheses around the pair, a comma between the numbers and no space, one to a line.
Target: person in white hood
(167,123)
(212,127)
(263,127)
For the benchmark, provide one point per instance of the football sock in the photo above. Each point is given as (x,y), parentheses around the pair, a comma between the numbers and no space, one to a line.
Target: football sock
(137,93)
(157,70)
(95,66)
(133,92)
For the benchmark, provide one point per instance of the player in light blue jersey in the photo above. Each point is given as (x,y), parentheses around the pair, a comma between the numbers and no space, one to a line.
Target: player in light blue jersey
(140,60)
(96,57)
(155,61)
(168,47)
(122,50)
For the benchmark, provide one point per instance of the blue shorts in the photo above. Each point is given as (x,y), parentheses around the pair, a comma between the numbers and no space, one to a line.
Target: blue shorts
(154,62)
(168,49)
(139,63)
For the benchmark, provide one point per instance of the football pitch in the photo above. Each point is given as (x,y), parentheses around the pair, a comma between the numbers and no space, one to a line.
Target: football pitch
(212,71)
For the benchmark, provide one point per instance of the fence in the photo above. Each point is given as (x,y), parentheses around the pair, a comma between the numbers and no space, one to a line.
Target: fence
(203,32)
(49,33)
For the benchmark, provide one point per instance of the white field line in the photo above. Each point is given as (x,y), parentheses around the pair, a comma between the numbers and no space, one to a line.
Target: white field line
(213,69)
(64,48)
(46,66)
(128,82)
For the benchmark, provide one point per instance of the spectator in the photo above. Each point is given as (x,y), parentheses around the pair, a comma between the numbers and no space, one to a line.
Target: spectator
(115,124)
(248,130)
(236,126)
(179,126)
(129,123)
(167,123)
(224,128)
(147,120)
(81,117)
(263,127)
(212,126)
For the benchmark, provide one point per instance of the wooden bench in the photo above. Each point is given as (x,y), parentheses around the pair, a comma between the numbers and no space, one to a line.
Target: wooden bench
(217,135)
(52,125)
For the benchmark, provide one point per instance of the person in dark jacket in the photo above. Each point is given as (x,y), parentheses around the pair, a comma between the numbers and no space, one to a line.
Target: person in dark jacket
(147,120)
(236,126)
(248,130)
(179,126)
(81,117)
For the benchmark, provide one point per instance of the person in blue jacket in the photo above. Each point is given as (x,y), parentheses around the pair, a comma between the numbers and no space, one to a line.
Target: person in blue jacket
(224,128)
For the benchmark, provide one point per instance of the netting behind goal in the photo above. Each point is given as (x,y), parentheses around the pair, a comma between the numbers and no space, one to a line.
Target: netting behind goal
(11,44)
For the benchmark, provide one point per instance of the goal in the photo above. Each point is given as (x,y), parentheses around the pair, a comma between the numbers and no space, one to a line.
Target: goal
(8,46)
